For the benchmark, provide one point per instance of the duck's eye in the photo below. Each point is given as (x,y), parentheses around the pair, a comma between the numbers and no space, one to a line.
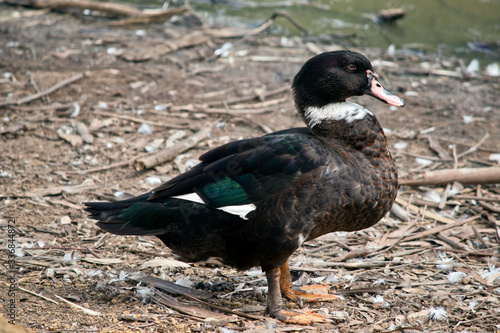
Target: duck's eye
(351,67)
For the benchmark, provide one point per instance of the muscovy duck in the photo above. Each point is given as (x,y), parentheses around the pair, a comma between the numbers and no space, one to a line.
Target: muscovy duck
(253,202)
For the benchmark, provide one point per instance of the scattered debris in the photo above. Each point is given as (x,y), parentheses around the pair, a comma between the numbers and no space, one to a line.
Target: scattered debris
(388,16)
(431,264)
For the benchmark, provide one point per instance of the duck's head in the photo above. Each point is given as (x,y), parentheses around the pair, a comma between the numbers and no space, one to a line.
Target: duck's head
(328,79)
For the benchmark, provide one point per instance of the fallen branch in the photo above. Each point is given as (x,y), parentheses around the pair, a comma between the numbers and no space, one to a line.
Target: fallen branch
(201,109)
(139,120)
(107,7)
(172,288)
(53,190)
(464,176)
(169,154)
(107,167)
(475,147)
(271,20)
(135,15)
(439,229)
(257,95)
(151,16)
(187,309)
(37,295)
(50,90)
(79,307)
(424,212)
(492,208)
(223,309)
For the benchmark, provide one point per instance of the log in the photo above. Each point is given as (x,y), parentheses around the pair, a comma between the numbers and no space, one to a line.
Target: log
(448,176)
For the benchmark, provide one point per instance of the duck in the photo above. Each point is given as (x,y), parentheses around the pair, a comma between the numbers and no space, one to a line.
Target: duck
(254,202)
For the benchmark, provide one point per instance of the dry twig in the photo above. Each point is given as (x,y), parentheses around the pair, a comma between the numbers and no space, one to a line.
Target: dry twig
(169,154)
(139,120)
(223,309)
(107,7)
(50,90)
(464,176)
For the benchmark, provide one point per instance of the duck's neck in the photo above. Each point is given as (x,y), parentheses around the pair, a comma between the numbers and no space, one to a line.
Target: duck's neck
(343,111)
(349,124)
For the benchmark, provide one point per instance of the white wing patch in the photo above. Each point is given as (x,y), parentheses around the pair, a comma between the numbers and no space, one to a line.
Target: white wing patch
(240,210)
(301,239)
(190,197)
(336,111)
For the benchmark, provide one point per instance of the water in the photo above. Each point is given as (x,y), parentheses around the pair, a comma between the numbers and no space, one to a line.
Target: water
(464,28)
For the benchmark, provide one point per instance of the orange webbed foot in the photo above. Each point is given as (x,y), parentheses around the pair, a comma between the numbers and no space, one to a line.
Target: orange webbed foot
(279,282)
(299,317)
(313,293)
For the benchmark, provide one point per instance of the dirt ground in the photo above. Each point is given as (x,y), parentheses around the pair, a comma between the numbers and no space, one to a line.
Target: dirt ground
(139,90)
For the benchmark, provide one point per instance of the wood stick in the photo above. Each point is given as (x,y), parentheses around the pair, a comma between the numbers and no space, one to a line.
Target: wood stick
(490,207)
(424,212)
(156,16)
(440,228)
(270,22)
(474,197)
(50,90)
(255,96)
(434,144)
(169,154)
(79,307)
(223,309)
(201,109)
(139,120)
(464,176)
(37,295)
(475,147)
(107,167)
(292,21)
(186,309)
(108,7)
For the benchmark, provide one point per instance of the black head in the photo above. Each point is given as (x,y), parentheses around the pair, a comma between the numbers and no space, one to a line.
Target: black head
(332,77)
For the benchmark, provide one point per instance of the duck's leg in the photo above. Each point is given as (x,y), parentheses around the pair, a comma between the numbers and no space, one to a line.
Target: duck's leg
(275,303)
(314,293)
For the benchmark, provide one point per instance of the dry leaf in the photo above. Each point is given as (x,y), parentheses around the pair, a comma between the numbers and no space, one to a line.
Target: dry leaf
(102,261)
(164,262)
(74,140)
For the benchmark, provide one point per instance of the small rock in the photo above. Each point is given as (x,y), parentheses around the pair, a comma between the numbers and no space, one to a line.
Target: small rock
(153,181)
(493,69)
(473,67)
(223,51)
(494,157)
(65,220)
(118,194)
(400,145)
(145,129)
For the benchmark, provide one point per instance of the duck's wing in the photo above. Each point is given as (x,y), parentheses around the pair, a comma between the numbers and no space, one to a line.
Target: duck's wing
(248,171)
